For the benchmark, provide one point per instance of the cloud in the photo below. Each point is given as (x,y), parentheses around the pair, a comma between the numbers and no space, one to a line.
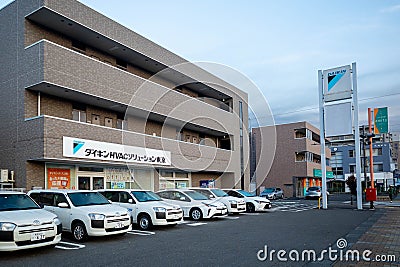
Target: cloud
(392,9)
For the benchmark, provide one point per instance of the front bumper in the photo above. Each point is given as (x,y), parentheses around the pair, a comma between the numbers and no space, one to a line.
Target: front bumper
(28,236)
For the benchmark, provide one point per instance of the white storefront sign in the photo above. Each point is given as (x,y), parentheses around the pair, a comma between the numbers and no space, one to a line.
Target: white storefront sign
(95,150)
(337,83)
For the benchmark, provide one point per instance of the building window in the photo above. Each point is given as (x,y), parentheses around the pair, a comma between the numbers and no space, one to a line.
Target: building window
(108,122)
(351,153)
(122,124)
(352,168)
(337,171)
(79,115)
(378,167)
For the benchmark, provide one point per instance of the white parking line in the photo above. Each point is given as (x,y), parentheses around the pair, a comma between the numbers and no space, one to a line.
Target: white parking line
(196,224)
(138,232)
(231,218)
(251,214)
(69,246)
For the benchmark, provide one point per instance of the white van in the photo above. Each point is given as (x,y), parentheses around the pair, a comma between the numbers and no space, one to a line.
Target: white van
(146,208)
(23,224)
(84,213)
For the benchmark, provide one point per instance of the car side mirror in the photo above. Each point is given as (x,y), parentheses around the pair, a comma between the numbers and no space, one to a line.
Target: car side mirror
(110,201)
(63,205)
(130,200)
(211,196)
(182,198)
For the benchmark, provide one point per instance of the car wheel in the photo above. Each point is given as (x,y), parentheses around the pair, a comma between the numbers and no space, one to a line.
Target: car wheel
(144,222)
(195,214)
(250,207)
(79,232)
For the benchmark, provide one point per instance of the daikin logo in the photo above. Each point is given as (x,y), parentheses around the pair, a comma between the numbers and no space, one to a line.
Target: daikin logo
(334,77)
(77,145)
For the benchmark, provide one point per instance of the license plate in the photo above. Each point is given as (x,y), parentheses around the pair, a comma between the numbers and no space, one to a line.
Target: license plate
(37,236)
(119,225)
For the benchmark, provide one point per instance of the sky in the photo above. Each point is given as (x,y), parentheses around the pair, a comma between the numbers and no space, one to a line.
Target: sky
(280,45)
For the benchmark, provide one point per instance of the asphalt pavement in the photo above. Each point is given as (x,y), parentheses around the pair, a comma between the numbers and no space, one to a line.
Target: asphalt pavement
(242,240)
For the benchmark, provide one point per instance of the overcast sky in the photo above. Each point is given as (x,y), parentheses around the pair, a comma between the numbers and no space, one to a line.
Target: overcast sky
(280,45)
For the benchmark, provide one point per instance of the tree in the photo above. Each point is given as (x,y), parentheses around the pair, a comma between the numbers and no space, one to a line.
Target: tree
(352,184)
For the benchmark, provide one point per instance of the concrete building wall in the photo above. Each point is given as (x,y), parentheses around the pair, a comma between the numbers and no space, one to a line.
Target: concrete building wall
(40,59)
(285,170)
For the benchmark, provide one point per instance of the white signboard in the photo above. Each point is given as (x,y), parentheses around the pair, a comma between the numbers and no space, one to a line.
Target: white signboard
(337,83)
(94,150)
(338,119)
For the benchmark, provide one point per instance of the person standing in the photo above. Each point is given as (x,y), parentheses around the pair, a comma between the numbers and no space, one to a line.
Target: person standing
(391,192)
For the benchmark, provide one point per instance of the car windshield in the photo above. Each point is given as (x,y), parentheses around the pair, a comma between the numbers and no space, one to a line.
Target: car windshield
(10,202)
(268,190)
(314,188)
(87,199)
(144,196)
(245,193)
(196,195)
(219,192)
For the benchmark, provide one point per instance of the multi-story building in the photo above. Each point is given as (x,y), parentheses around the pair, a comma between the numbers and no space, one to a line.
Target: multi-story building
(296,163)
(88,103)
(343,161)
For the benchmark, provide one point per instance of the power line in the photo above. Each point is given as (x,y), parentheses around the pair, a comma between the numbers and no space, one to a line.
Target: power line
(315,107)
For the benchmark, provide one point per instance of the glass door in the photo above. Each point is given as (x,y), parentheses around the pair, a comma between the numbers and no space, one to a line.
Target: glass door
(90,182)
(98,183)
(84,183)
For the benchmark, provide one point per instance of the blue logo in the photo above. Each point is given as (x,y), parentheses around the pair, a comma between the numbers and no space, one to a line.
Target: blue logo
(334,77)
(77,145)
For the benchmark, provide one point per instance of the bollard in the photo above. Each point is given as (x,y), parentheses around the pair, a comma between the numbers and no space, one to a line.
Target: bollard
(319,202)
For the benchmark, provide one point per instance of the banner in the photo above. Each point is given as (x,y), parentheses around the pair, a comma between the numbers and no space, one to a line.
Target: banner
(381,121)
(58,178)
(95,150)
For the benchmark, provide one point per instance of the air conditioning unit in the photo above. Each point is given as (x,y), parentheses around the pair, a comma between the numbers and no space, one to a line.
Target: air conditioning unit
(4,175)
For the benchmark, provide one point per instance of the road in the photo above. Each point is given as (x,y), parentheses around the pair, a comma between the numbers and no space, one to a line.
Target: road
(230,241)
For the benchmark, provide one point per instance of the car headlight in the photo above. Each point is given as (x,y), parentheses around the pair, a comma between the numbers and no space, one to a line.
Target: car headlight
(159,209)
(96,216)
(233,201)
(56,221)
(6,226)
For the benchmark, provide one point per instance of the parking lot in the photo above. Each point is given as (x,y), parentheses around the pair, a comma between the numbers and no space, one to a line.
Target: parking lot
(233,240)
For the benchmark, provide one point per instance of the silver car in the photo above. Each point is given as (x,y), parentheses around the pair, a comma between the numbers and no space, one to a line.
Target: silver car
(313,192)
(272,193)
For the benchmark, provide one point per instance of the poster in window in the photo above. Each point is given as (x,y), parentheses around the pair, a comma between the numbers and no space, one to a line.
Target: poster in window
(58,178)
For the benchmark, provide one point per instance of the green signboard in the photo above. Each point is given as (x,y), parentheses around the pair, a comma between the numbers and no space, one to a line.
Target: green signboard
(381,121)
(318,173)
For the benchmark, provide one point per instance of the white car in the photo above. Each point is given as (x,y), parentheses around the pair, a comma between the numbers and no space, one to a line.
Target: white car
(253,203)
(83,212)
(146,207)
(233,204)
(23,224)
(194,205)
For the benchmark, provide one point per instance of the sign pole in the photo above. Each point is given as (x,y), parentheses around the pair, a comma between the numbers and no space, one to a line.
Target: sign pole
(357,137)
(371,156)
(322,139)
